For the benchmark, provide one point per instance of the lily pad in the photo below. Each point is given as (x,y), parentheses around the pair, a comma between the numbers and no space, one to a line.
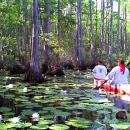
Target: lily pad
(62,113)
(49,108)
(39,127)
(22,125)
(27,112)
(59,127)
(47,122)
(123,125)
(78,122)
(6,126)
(5,109)
(103,112)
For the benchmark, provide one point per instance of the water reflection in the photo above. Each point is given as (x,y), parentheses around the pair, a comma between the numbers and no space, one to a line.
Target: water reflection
(121,100)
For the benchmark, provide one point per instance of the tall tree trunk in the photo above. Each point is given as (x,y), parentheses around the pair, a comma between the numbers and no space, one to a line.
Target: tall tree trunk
(47,49)
(25,30)
(102,28)
(59,31)
(118,30)
(34,74)
(18,41)
(91,31)
(79,35)
(111,34)
(125,25)
(96,21)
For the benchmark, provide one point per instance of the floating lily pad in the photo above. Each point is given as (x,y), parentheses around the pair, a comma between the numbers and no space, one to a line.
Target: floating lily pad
(5,109)
(62,113)
(98,124)
(103,112)
(38,97)
(39,127)
(99,100)
(47,122)
(6,126)
(91,109)
(80,106)
(8,114)
(9,96)
(22,125)
(3,126)
(27,112)
(123,125)
(43,112)
(59,127)
(78,122)
(112,121)
(19,105)
(48,117)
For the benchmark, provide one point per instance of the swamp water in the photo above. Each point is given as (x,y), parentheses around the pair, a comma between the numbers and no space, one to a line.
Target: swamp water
(62,103)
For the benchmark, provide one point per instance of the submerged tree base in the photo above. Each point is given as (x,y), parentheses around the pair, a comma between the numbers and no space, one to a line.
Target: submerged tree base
(33,77)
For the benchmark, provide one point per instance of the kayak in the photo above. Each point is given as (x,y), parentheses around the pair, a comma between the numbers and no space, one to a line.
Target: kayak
(116,88)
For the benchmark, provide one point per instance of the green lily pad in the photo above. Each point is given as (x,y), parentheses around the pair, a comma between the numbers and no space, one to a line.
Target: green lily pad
(43,112)
(78,122)
(39,127)
(62,113)
(91,109)
(49,108)
(98,124)
(46,122)
(103,112)
(112,121)
(38,97)
(8,114)
(5,109)
(59,127)
(69,107)
(99,100)
(22,125)
(123,125)
(19,105)
(27,112)
(48,117)
(6,126)
(9,96)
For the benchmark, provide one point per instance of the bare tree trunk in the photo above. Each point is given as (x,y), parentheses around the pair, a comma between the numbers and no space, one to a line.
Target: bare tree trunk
(47,49)
(96,21)
(118,30)
(34,74)
(125,25)
(107,28)
(18,41)
(59,30)
(102,28)
(25,29)
(79,35)
(111,34)
(91,31)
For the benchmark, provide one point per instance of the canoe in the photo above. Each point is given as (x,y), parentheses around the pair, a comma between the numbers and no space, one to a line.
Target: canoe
(116,88)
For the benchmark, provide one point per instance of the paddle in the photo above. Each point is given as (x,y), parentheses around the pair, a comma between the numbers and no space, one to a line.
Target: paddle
(97,87)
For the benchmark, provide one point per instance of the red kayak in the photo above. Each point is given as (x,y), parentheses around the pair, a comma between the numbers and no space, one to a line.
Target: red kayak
(116,88)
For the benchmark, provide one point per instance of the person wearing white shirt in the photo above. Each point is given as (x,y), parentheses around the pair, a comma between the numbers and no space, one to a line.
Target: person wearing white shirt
(99,73)
(119,74)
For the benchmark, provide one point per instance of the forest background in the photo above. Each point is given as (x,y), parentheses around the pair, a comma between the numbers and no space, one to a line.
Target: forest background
(68,33)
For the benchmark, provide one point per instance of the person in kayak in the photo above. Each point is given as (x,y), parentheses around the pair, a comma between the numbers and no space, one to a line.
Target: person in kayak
(99,73)
(119,74)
